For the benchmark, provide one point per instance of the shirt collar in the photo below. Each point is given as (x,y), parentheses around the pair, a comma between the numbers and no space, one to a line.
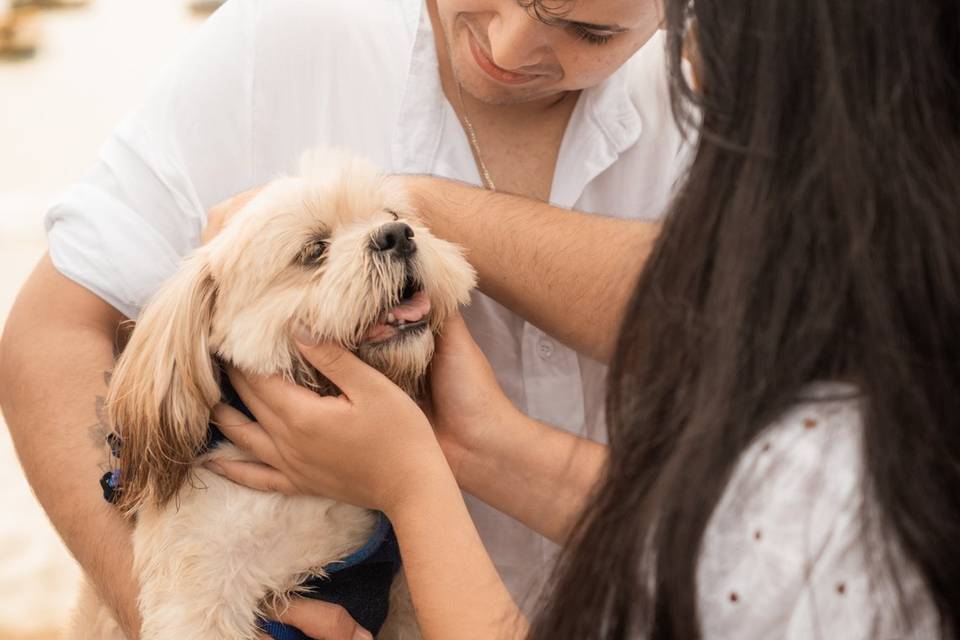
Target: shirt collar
(604,124)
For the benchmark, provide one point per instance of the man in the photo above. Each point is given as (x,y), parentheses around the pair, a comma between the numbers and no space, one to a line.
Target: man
(559,108)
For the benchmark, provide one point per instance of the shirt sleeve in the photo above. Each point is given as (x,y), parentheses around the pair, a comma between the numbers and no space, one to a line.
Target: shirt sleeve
(788,553)
(121,230)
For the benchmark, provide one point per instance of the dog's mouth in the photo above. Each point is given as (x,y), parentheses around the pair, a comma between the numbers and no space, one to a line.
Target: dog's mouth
(409,317)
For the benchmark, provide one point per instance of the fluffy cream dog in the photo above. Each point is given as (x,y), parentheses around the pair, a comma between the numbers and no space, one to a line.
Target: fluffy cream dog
(336,248)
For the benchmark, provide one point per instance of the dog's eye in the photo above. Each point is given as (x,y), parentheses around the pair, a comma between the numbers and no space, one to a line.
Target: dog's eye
(313,252)
(396,216)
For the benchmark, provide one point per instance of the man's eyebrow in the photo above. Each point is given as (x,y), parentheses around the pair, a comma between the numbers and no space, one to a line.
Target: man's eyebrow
(613,28)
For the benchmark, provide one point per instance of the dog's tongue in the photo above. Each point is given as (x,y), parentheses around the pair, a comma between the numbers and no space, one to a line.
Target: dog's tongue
(414,309)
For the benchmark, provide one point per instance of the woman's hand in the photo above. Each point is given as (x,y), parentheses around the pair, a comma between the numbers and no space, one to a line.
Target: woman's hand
(371,446)
(466,401)
(321,621)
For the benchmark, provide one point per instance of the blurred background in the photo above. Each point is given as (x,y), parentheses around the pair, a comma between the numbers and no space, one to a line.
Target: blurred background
(69,71)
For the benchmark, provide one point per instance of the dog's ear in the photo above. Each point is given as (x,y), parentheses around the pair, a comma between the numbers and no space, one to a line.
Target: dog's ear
(163,388)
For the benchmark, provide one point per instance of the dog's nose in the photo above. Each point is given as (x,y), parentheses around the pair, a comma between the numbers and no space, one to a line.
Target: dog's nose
(394,237)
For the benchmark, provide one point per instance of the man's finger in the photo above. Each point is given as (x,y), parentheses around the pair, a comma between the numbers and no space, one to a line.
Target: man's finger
(253,475)
(352,375)
(323,620)
(247,435)
(219,214)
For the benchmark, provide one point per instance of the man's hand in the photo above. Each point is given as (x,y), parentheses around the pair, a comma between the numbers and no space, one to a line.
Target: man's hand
(221,213)
(321,621)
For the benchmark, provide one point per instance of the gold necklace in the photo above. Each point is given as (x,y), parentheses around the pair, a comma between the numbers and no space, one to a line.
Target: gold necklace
(474,145)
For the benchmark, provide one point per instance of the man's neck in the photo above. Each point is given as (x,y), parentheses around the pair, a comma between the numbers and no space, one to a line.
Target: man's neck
(516,145)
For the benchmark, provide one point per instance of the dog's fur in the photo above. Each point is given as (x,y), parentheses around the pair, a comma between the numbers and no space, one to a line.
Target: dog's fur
(210,554)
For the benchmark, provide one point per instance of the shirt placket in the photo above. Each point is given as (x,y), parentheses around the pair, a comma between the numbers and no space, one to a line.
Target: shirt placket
(603,125)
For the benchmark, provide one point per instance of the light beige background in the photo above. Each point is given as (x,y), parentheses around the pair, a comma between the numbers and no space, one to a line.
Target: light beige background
(95,64)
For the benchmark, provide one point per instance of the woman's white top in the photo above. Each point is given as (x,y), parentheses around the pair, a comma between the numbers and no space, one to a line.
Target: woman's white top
(785,555)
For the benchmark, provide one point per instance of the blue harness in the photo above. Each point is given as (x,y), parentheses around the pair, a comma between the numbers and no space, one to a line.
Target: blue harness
(360,583)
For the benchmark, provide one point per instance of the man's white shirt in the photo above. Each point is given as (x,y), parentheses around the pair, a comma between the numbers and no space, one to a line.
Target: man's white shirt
(265,81)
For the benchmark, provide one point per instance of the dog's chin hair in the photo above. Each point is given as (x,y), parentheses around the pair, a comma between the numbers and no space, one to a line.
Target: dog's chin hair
(404,361)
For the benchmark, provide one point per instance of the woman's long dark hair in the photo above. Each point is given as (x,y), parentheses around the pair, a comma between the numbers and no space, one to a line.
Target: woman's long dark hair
(816,237)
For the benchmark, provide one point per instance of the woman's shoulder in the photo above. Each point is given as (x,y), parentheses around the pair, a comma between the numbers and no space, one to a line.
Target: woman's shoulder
(788,552)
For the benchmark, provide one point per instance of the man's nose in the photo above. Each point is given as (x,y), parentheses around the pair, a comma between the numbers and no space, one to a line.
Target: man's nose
(394,237)
(518,42)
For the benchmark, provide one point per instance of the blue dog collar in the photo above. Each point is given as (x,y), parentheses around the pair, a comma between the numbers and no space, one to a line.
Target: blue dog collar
(367,551)
(382,554)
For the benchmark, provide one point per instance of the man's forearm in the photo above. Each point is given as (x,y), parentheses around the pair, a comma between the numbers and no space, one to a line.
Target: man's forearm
(53,362)
(570,274)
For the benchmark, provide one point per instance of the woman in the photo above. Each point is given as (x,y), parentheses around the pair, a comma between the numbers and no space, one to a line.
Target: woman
(783,459)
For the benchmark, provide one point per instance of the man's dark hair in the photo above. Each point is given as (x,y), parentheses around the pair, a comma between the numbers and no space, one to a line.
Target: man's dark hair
(546,11)
(816,237)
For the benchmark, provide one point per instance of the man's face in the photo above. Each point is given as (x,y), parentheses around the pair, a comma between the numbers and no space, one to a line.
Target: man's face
(501,54)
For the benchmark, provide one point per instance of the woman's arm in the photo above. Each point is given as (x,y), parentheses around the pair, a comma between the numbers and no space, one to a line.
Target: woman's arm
(540,475)
(455,587)
(372,446)
(537,474)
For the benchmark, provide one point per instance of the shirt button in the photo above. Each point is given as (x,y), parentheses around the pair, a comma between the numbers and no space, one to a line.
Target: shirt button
(545,348)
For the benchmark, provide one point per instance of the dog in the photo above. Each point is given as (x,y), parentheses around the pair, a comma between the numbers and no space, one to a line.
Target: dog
(336,248)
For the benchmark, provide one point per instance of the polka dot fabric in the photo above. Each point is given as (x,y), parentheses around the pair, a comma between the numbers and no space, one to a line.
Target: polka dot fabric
(784,555)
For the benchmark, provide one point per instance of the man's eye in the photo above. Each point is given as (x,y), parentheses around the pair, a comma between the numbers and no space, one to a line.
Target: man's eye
(313,252)
(590,36)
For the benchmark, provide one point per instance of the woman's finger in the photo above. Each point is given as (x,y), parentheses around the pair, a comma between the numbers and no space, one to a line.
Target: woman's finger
(455,323)
(352,375)
(253,475)
(323,620)
(268,398)
(225,415)
(453,335)
(277,403)
(248,436)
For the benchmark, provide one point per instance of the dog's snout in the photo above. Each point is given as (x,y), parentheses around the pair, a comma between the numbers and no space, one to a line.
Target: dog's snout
(396,237)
